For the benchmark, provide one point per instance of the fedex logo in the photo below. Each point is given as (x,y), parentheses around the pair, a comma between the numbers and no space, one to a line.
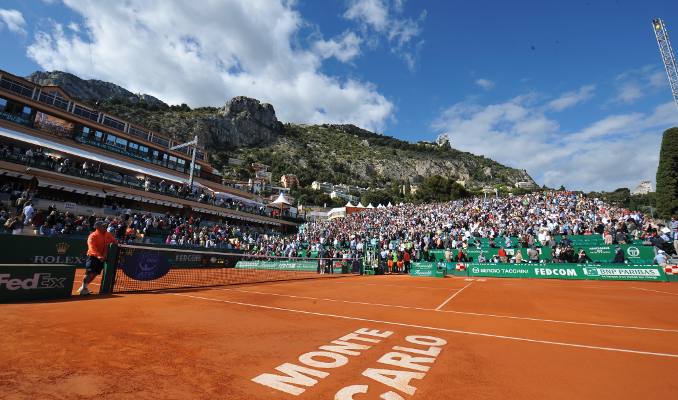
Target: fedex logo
(39,281)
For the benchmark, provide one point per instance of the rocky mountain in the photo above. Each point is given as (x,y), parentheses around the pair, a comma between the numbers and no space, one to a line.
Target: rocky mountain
(246,129)
(349,154)
(84,89)
(241,122)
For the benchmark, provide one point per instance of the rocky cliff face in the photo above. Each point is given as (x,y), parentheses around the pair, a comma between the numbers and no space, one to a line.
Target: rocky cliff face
(241,122)
(244,122)
(84,89)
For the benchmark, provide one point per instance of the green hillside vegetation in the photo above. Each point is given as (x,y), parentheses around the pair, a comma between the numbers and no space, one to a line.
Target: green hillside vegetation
(340,154)
(326,153)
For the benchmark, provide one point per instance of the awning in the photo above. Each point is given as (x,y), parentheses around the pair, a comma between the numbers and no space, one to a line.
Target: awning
(223,196)
(22,175)
(69,187)
(91,156)
(128,196)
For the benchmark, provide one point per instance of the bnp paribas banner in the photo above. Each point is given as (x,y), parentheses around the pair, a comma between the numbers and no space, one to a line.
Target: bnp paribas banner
(569,271)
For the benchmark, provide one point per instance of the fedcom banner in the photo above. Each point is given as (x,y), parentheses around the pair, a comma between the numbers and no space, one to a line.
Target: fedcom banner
(567,271)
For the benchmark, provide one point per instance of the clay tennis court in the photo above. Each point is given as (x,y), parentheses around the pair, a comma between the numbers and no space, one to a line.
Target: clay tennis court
(498,338)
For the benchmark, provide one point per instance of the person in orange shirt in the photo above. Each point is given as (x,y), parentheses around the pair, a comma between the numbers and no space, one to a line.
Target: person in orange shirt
(97,244)
(390,262)
(406,261)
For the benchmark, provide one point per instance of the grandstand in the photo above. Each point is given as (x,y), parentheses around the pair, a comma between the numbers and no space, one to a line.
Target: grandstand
(59,150)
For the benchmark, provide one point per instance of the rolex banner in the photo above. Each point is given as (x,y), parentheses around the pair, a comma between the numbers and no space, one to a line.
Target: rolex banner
(35,282)
(19,249)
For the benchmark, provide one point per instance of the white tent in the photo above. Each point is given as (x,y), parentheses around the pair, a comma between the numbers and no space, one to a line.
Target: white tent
(370,206)
(389,204)
(282,200)
(380,206)
(349,204)
(360,205)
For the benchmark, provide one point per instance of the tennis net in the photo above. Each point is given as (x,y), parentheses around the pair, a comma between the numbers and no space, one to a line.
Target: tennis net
(135,268)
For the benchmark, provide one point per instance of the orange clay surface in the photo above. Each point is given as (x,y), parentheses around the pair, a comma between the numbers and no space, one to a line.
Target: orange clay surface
(505,339)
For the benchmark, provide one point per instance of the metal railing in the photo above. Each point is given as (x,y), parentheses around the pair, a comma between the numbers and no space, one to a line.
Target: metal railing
(50,164)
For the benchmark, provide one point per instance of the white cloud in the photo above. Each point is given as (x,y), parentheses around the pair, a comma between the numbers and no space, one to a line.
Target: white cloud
(638,83)
(74,27)
(486,84)
(207,55)
(370,12)
(14,20)
(570,99)
(376,20)
(617,151)
(344,50)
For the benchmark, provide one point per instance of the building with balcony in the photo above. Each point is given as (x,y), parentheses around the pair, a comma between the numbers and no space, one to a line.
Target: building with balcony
(342,195)
(288,180)
(82,155)
(324,186)
(644,188)
(260,167)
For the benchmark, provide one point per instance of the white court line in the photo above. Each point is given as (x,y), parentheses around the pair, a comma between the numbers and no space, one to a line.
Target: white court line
(432,328)
(457,312)
(412,287)
(91,283)
(532,282)
(657,291)
(452,297)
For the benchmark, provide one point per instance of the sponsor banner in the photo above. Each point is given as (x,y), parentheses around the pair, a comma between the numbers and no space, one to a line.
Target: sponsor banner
(110,148)
(606,252)
(17,119)
(281,265)
(51,124)
(566,271)
(644,273)
(35,282)
(596,253)
(428,265)
(21,249)
(146,266)
(472,253)
(431,273)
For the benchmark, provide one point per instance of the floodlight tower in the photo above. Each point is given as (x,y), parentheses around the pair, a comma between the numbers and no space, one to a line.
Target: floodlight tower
(667,55)
(193,143)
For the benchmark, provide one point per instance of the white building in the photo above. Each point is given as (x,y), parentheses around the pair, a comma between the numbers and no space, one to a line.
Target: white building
(644,188)
(342,195)
(525,185)
(442,139)
(324,186)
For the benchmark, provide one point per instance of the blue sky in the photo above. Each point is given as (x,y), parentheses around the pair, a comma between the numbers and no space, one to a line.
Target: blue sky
(572,91)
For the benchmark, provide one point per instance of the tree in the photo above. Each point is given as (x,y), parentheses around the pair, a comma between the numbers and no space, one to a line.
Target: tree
(243,173)
(667,175)
(324,199)
(438,189)
(376,197)
(519,191)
